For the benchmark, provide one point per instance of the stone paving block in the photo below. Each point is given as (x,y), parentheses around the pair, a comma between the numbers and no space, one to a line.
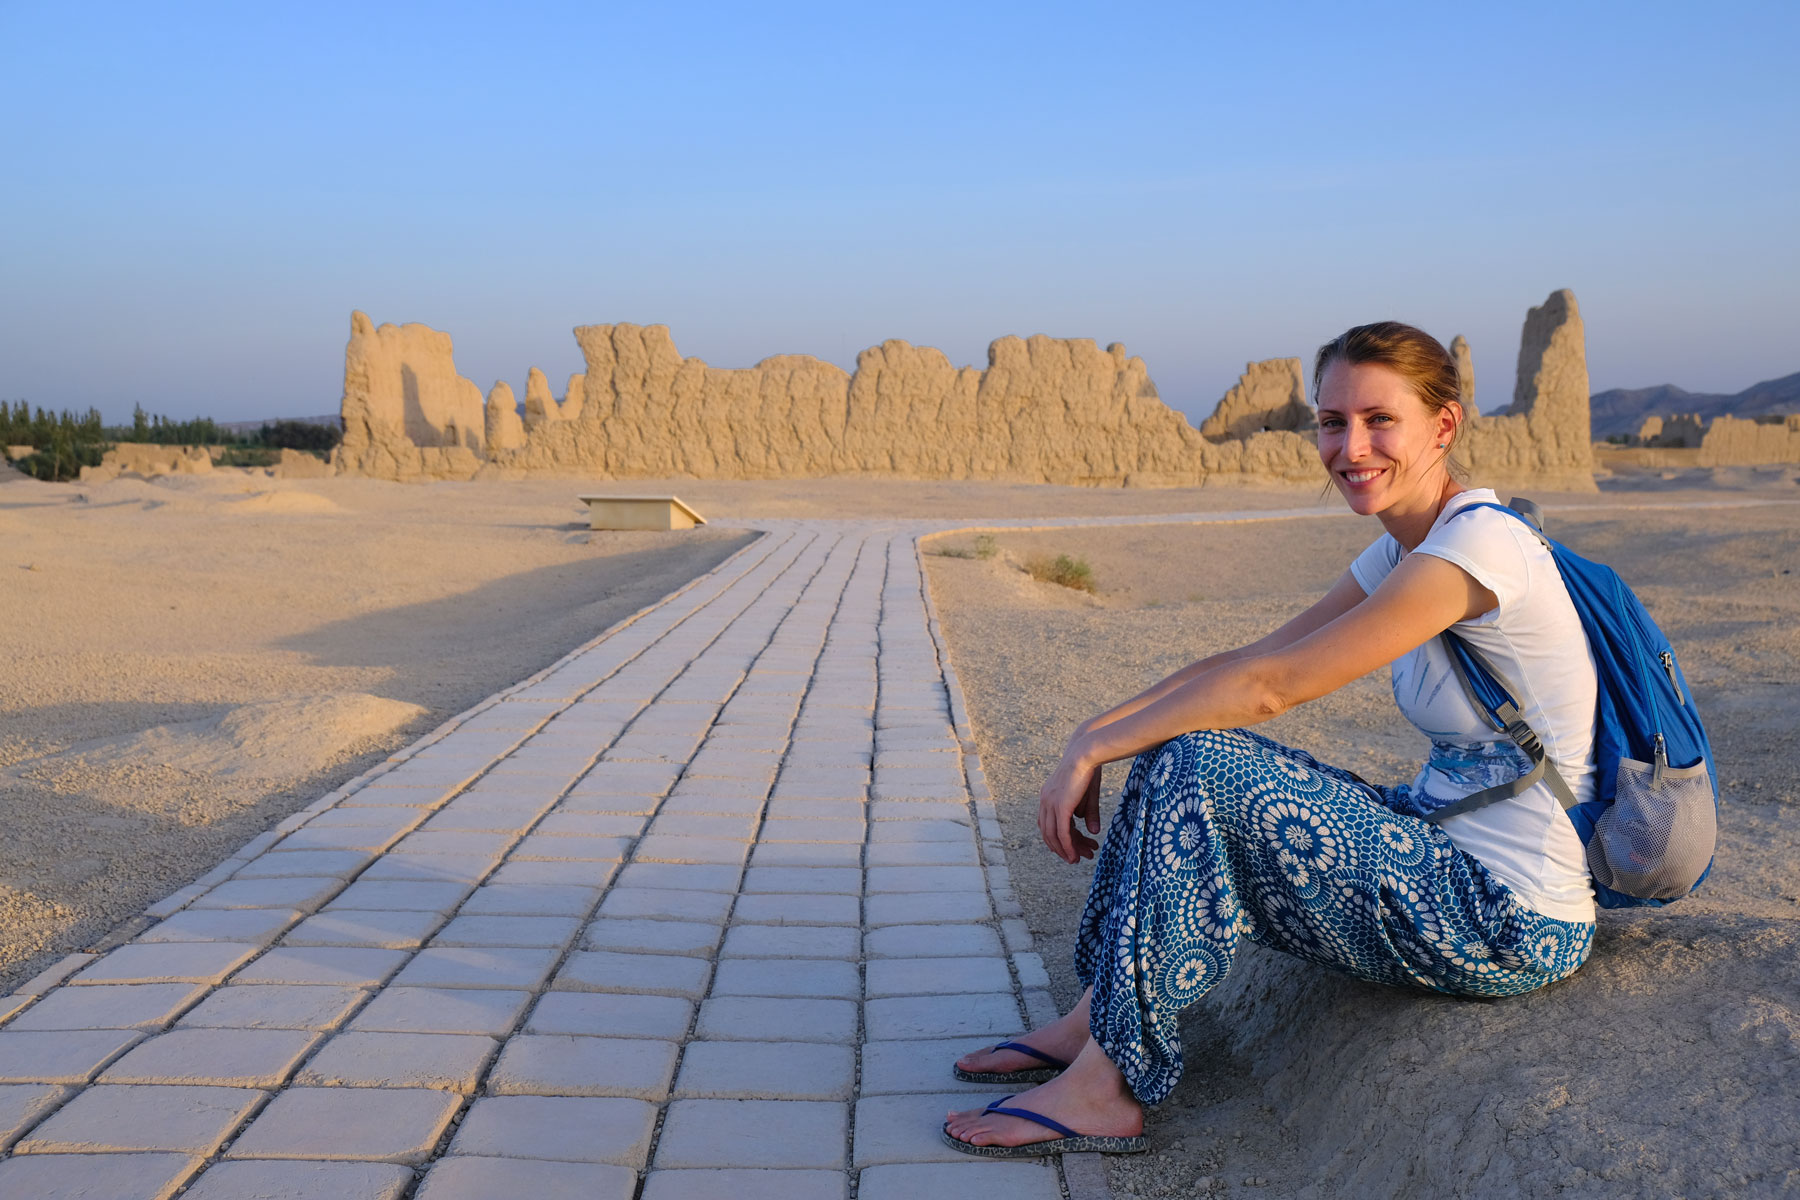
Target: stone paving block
(60,1056)
(645,936)
(442,1010)
(709,804)
(337,837)
(244,1058)
(746,1184)
(846,881)
(383,795)
(109,1006)
(554,874)
(789,808)
(966,1180)
(274,1006)
(460,817)
(50,976)
(762,1019)
(606,804)
(299,1180)
(530,900)
(396,819)
(667,904)
(471,1178)
(594,1129)
(612,1014)
(931,941)
(712,825)
(524,967)
(921,1065)
(461,844)
(806,854)
(306,864)
(790,941)
(920,810)
(906,855)
(257,925)
(778,908)
(813,829)
(903,1018)
(666,848)
(743,1133)
(396,929)
(167,962)
(937,976)
(832,979)
(397,1125)
(767,1071)
(652,748)
(95,1176)
(935,758)
(455,868)
(926,879)
(23,1105)
(350,966)
(660,974)
(591,824)
(908,1129)
(450,1062)
(433,897)
(888,787)
(483,930)
(109,1118)
(303,892)
(568,1065)
(927,908)
(539,847)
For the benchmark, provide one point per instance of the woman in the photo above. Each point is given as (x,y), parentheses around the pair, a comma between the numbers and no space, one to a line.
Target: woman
(1223,832)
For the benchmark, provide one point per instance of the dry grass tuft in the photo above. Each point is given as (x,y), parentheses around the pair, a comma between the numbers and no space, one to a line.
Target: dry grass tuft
(1061,570)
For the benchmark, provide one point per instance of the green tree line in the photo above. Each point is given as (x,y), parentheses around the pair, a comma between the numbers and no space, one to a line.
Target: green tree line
(64,442)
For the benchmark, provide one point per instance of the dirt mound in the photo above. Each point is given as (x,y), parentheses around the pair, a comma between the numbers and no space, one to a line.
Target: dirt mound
(274,739)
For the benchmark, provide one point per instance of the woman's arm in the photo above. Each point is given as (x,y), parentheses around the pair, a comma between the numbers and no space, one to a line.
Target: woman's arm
(1344,595)
(1420,599)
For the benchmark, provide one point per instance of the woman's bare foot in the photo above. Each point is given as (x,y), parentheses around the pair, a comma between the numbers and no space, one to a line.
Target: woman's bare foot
(1063,1038)
(1091,1097)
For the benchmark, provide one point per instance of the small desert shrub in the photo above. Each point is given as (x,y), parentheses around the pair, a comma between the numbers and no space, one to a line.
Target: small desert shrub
(248,456)
(1062,570)
(985,547)
(61,461)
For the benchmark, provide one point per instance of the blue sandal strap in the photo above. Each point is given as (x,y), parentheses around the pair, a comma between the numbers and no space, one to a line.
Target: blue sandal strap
(1022,1048)
(998,1106)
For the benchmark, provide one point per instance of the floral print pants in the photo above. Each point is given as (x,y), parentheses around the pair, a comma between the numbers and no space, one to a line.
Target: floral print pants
(1222,834)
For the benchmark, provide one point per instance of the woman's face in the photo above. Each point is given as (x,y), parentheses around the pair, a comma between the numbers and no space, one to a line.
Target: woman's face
(1378,440)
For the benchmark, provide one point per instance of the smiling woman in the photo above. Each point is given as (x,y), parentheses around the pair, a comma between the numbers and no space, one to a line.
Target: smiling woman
(1222,833)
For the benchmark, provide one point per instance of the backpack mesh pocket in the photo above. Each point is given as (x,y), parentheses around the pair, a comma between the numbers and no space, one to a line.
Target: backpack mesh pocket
(1656,839)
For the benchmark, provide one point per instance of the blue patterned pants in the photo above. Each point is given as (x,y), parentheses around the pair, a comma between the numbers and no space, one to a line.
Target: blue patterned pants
(1222,834)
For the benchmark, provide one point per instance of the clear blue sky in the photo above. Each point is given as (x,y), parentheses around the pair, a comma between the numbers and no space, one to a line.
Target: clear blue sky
(198,195)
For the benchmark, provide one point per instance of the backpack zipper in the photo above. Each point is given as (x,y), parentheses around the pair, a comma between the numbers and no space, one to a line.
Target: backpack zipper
(1667,658)
(1661,761)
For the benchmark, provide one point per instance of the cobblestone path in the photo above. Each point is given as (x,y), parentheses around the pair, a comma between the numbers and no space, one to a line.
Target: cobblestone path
(706,909)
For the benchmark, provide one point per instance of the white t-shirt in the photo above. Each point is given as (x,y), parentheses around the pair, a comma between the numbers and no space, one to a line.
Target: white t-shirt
(1533,643)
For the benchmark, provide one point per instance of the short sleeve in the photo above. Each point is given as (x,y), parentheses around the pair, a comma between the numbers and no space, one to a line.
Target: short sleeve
(1374,565)
(1486,544)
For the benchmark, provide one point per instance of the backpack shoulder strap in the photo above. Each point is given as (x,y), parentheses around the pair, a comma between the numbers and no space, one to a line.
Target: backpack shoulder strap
(1504,714)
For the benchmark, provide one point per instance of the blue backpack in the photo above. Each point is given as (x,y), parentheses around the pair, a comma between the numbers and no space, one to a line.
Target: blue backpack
(1651,826)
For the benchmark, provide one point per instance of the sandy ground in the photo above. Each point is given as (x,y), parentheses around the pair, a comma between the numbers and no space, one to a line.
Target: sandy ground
(1293,1086)
(189,660)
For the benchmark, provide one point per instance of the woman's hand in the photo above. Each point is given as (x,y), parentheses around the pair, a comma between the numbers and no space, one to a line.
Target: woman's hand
(1073,791)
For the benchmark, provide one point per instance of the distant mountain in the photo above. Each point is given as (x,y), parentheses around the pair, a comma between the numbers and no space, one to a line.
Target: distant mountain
(1622,410)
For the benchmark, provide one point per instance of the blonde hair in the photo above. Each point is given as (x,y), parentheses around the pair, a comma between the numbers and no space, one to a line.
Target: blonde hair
(1410,353)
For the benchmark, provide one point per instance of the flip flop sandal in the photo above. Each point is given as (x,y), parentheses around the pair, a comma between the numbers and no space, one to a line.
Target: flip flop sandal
(1069,1143)
(1054,1067)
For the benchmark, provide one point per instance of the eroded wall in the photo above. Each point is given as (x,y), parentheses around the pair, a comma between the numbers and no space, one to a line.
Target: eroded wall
(1043,410)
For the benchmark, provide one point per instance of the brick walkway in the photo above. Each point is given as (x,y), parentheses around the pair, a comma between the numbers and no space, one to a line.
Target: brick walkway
(704,910)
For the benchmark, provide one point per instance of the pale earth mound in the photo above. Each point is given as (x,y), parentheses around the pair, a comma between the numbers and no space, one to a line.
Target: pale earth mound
(1666,1066)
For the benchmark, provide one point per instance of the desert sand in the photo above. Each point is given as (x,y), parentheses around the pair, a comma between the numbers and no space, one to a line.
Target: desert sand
(191,658)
